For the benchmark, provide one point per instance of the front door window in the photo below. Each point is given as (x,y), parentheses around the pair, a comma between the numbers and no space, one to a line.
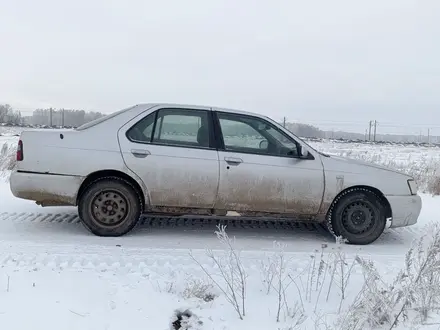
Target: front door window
(253,135)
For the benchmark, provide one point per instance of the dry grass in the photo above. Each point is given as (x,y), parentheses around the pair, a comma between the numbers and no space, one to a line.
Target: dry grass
(411,299)
(231,276)
(351,292)
(7,157)
(434,186)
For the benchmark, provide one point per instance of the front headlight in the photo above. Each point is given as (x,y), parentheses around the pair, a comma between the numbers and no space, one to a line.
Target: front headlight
(412,186)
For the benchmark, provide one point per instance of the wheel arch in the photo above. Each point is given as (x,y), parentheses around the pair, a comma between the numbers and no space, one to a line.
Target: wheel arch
(92,177)
(377,192)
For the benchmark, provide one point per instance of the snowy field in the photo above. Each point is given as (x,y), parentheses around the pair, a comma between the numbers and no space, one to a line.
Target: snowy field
(55,275)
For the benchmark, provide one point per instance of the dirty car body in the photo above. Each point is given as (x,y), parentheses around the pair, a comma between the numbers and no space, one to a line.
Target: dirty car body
(190,160)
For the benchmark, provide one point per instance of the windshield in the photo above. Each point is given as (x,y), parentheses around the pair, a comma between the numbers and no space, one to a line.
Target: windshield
(101,119)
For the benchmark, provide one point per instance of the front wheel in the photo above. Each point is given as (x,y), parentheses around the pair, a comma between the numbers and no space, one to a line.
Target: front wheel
(110,207)
(357,216)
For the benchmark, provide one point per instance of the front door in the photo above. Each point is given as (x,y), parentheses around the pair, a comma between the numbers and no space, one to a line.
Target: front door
(170,149)
(260,170)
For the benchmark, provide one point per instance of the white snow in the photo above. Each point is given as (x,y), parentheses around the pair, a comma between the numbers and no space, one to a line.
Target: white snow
(56,275)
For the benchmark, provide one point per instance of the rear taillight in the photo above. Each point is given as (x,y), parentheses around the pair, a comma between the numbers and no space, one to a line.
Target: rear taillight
(20,151)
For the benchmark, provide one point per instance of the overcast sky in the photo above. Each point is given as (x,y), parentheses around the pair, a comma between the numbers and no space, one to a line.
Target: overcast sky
(336,62)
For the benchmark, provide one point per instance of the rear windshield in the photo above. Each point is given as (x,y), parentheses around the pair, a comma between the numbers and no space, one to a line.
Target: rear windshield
(101,119)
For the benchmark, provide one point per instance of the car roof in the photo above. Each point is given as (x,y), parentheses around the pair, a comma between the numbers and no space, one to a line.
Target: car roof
(135,110)
(195,106)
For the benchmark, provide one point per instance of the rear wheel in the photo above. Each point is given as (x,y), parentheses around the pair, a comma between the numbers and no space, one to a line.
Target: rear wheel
(110,207)
(358,216)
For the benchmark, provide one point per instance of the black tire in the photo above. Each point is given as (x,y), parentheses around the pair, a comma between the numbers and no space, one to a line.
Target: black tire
(358,216)
(110,207)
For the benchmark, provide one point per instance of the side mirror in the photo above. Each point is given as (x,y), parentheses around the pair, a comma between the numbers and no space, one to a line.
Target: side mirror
(302,153)
(264,144)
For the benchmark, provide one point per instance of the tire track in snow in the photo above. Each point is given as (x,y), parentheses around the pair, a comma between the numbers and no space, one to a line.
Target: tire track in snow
(159,221)
(140,264)
(200,222)
(154,262)
(57,231)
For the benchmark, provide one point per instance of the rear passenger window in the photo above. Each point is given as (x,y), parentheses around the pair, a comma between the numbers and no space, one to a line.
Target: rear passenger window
(177,127)
(182,127)
(142,131)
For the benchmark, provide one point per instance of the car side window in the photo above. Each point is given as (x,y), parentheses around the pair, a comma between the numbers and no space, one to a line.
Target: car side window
(142,131)
(182,127)
(247,134)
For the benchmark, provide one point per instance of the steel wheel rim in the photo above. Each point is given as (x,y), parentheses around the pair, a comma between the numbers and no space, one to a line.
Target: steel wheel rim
(358,217)
(109,208)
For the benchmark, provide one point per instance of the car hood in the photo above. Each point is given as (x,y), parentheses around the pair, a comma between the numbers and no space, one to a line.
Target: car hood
(357,162)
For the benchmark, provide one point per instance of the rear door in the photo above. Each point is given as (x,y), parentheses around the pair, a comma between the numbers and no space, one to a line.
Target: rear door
(173,151)
(260,170)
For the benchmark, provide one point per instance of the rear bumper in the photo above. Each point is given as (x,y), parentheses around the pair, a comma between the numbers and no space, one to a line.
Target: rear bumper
(45,189)
(405,210)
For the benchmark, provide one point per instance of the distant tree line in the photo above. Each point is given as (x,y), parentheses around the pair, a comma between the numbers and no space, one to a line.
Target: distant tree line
(62,117)
(47,117)
(305,130)
(9,115)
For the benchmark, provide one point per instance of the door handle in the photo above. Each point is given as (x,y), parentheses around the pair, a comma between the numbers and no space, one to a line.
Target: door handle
(140,153)
(233,161)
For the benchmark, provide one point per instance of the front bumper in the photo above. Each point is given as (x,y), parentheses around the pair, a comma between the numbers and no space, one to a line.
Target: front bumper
(45,189)
(405,210)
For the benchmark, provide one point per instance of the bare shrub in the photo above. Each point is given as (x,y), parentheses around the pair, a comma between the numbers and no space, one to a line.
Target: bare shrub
(168,286)
(199,289)
(416,288)
(341,272)
(7,158)
(332,271)
(4,149)
(322,273)
(419,281)
(280,285)
(231,272)
(299,295)
(275,275)
(10,162)
(412,297)
(372,307)
(268,272)
(434,185)
(321,322)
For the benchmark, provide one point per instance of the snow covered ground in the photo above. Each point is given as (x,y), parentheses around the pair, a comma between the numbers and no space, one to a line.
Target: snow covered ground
(56,275)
